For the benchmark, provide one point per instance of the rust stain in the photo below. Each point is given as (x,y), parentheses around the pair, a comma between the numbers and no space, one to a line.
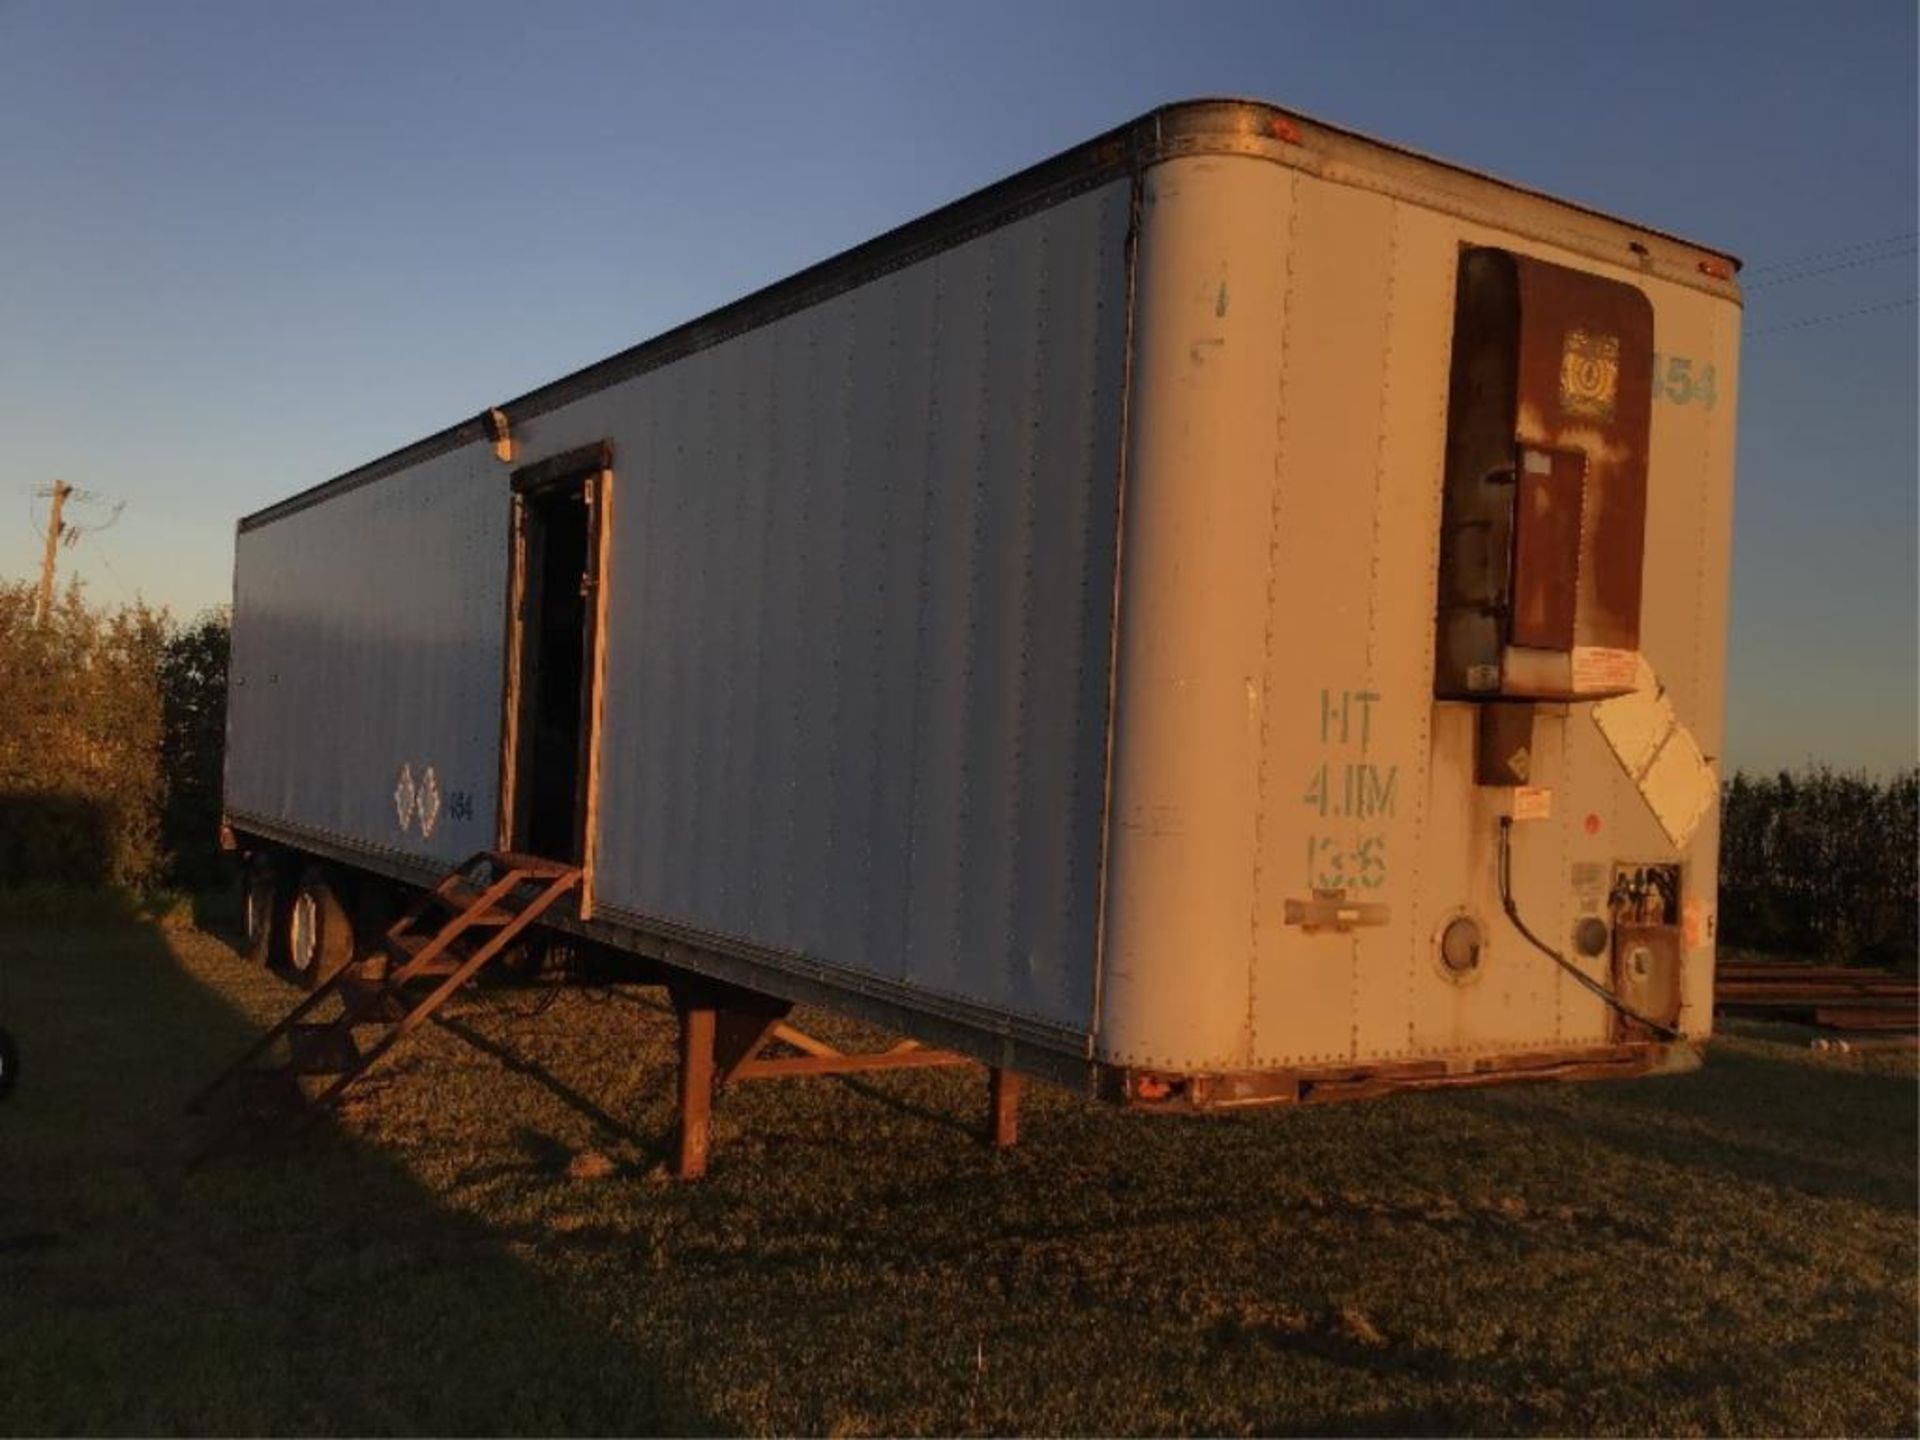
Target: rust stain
(1234,1089)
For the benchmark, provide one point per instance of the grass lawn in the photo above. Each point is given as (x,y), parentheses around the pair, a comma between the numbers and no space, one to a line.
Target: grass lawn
(1732,1251)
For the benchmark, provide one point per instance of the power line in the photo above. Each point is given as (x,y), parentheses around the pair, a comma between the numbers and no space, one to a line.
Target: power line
(1834,253)
(1836,315)
(1829,269)
(61,531)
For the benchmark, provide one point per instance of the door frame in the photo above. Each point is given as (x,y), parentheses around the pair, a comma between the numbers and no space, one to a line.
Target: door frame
(589,469)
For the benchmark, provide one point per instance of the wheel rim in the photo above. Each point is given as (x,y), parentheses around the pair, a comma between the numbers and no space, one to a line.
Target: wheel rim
(256,914)
(301,932)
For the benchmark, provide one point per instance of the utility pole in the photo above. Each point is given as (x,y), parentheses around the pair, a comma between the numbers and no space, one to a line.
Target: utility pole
(61,490)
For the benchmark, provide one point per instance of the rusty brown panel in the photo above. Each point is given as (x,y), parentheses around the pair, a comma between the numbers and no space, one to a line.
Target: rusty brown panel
(1503,749)
(1548,503)
(1477,505)
(1585,382)
(1649,971)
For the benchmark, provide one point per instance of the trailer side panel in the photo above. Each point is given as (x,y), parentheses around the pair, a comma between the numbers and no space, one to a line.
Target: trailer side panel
(859,620)
(365,698)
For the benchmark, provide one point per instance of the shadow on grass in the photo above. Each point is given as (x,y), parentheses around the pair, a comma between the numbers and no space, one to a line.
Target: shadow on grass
(653,1147)
(1755,1113)
(656,1148)
(1561,1259)
(320,1292)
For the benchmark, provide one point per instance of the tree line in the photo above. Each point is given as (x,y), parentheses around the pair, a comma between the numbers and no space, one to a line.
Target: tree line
(113,722)
(1820,862)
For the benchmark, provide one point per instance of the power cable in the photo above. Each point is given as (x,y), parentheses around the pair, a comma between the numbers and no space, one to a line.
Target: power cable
(1830,319)
(1816,256)
(1505,873)
(1830,269)
(128,595)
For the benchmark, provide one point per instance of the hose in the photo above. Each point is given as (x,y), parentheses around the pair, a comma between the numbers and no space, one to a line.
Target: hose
(1586,980)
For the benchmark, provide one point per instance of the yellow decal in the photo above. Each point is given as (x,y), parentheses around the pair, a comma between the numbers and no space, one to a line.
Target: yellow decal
(1589,374)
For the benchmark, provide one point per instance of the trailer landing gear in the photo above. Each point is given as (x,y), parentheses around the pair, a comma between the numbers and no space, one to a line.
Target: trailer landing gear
(477,914)
(724,1031)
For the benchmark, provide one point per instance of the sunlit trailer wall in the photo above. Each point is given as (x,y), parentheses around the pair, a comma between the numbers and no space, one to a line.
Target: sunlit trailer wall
(1043,628)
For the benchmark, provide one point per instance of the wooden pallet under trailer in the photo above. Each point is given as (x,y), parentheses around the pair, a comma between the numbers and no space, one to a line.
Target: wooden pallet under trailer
(300,1067)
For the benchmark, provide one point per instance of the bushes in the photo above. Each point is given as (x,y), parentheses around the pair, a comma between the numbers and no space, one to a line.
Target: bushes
(110,734)
(80,776)
(1821,863)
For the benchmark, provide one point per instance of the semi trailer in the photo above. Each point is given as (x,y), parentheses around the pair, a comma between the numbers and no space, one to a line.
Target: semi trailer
(1232,614)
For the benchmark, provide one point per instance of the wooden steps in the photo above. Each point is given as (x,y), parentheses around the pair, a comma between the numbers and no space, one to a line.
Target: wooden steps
(300,1066)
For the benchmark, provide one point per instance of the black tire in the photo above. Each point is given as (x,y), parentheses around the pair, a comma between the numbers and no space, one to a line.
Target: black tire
(319,930)
(265,900)
(9,1064)
(376,905)
(527,959)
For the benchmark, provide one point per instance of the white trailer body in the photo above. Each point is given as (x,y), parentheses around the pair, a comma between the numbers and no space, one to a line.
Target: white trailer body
(1082,628)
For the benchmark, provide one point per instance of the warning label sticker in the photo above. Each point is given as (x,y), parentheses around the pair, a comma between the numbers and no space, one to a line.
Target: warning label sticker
(1589,879)
(1595,668)
(1532,802)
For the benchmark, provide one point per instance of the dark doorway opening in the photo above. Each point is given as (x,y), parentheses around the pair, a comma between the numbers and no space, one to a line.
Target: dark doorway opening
(557,554)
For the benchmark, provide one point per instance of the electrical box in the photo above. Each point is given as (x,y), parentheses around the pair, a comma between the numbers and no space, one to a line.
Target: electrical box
(1649,940)
(1544,516)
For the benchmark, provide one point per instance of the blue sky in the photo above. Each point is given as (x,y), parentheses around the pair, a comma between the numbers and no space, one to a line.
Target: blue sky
(246,246)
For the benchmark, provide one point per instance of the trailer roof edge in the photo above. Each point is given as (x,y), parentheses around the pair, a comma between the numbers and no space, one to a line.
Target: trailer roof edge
(1189,127)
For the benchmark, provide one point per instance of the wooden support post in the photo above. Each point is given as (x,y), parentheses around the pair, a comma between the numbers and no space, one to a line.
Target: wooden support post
(43,605)
(696,1088)
(1003,1100)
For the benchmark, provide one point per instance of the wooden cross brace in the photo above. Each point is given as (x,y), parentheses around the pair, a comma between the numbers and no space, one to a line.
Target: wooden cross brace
(723,1031)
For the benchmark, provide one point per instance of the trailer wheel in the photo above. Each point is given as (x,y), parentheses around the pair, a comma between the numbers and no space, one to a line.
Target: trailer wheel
(9,1064)
(527,959)
(264,905)
(319,930)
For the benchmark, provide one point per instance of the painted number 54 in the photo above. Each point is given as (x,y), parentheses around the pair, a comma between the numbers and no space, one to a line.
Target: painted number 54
(1677,381)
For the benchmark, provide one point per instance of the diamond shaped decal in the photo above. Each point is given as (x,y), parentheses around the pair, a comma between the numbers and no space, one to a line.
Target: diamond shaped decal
(405,797)
(429,803)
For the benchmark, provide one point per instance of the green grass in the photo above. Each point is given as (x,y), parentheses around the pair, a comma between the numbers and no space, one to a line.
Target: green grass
(1732,1251)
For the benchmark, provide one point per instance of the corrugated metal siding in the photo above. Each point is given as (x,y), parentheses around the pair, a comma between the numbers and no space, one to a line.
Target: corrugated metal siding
(860,585)
(367,636)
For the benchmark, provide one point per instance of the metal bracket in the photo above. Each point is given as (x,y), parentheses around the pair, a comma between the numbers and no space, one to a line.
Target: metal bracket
(500,433)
